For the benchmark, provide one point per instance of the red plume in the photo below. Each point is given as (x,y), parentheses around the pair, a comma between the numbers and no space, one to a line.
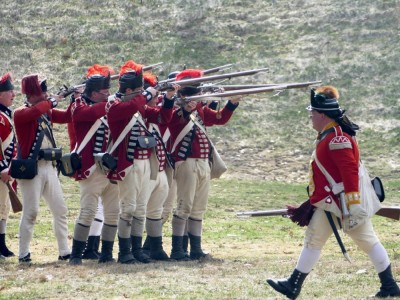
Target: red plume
(5,77)
(150,79)
(189,73)
(99,70)
(130,66)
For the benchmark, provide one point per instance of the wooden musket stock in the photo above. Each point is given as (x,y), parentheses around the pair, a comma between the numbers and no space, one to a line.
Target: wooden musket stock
(15,203)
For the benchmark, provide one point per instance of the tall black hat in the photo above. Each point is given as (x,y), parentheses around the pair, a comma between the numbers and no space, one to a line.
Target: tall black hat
(98,78)
(6,83)
(323,102)
(130,80)
(96,83)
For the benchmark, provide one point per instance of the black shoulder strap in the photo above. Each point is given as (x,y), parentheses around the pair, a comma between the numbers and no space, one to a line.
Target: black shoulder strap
(46,126)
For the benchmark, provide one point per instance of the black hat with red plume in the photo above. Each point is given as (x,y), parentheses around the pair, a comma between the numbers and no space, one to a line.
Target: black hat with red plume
(130,76)
(98,78)
(6,83)
(189,74)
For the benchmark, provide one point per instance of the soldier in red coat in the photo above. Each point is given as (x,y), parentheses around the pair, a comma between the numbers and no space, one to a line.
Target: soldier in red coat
(159,186)
(128,115)
(6,154)
(91,127)
(191,152)
(337,151)
(93,242)
(33,121)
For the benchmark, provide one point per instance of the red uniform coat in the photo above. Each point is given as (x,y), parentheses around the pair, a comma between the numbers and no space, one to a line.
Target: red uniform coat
(84,116)
(120,113)
(209,116)
(6,133)
(338,153)
(26,124)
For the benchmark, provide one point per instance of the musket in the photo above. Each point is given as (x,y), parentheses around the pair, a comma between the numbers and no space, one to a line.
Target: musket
(205,72)
(220,96)
(263,213)
(65,91)
(391,212)
(217,69)
(296,85)
(193,81)
(15,203)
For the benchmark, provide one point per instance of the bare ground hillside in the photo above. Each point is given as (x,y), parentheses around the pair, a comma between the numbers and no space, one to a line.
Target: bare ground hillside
(350,44)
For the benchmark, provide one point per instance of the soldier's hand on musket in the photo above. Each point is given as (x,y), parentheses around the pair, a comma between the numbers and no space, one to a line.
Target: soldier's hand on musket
(154,92)
(235,99)
(172,92)
(190,106)
(78,91)
(58,98)
(5,177)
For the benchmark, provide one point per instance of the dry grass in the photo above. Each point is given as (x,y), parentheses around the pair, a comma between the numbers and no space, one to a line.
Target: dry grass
(350,44)
(245,253)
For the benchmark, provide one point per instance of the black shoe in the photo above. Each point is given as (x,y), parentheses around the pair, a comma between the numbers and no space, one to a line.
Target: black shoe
(127,259)
(105,260)
(7,253)
(140,256)
(389,287)
(290,287)
(64,257)
(179,256)
(90,255)
(75,261)
(198,255)
(25,259)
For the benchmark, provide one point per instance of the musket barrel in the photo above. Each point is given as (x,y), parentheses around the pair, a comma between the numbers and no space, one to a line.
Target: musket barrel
(250,86)
(208,71)
(263,213)
(217,77)
(236,93)
(150,67)
(217,69)
(240,87)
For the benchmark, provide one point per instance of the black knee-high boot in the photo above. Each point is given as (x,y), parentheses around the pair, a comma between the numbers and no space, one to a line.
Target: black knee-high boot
(106,254)
(156,249)
(125,255)
(195,247)
(77,250)
(389,287)
(92,247)
(137,250)
(290,287)
(146,246)
(3,248)
(177,251)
